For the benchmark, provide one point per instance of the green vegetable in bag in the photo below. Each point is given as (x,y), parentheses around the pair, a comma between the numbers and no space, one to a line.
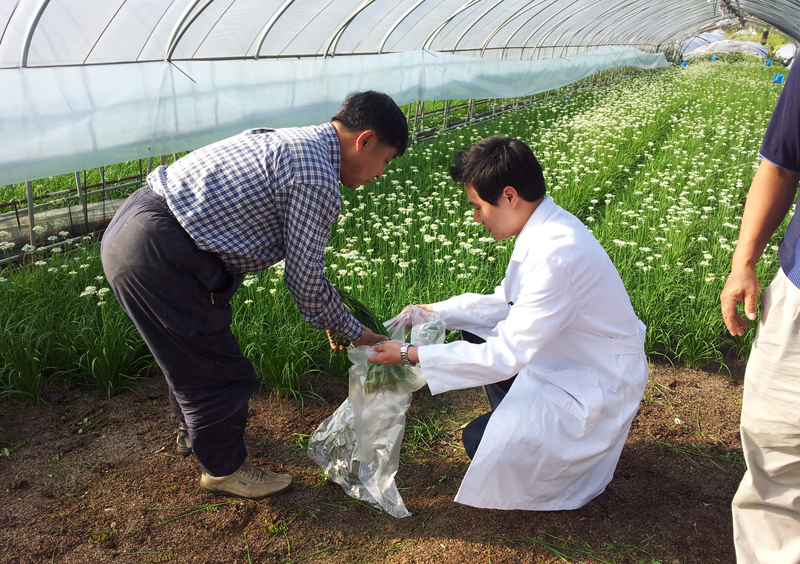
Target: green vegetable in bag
(390,378)
(379,378)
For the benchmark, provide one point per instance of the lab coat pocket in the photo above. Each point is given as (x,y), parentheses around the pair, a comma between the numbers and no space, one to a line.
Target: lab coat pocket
(577,392)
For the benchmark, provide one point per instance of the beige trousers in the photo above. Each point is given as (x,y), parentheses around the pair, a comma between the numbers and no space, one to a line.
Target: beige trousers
(766,508)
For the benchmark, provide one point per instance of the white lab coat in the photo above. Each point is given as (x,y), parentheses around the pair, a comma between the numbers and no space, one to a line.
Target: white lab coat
(562,319)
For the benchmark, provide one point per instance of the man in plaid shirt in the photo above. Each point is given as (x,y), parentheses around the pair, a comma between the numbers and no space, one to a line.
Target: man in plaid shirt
(177,250)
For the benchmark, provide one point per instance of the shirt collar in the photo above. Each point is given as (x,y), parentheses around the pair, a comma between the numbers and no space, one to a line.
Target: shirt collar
(525,237)
(328,133)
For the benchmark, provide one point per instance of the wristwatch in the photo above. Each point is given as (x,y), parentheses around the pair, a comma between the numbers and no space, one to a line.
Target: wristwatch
(404,355)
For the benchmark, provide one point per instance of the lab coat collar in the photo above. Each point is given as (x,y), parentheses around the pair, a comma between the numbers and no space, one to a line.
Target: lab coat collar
(526,236)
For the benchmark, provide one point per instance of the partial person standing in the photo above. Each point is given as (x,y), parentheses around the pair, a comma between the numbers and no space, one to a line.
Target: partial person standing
(766,507)
(178,249)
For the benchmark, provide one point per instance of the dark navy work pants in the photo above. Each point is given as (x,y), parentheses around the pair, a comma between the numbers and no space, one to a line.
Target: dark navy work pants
(473,432)
(177,296)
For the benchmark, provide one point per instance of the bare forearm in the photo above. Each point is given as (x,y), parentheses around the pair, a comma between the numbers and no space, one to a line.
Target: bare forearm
(771,195)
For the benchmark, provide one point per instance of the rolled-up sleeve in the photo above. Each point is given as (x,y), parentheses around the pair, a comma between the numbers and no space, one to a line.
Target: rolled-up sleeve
(310,212)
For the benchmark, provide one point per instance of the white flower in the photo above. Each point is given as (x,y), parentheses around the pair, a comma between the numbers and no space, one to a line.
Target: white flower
(103,291)
(64,234)
(38,229)
(5,235)
(89,291)
(248,301)
(40,263)
(28,248)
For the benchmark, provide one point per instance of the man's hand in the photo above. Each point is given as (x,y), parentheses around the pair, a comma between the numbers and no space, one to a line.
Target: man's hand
(741,286)
(770,196)
(405,315)
(370,338)
(389,353)
(339,343)
(426,307)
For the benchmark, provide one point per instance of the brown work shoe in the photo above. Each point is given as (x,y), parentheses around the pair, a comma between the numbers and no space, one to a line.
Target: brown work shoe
(184,443)
(248,481)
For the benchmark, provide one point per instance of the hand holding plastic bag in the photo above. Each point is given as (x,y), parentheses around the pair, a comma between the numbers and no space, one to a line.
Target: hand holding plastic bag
(358,446)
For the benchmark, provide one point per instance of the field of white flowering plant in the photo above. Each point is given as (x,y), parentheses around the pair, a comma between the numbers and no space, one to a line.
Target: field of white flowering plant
(657,165)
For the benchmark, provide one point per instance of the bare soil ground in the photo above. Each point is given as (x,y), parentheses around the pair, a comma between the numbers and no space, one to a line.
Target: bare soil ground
(89,480)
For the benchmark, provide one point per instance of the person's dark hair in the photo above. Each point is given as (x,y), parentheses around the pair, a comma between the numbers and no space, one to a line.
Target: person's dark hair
(491,164)
(378,112)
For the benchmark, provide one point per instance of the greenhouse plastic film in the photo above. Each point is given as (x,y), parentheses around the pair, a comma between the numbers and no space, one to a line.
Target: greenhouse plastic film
(61,119)
(358,446)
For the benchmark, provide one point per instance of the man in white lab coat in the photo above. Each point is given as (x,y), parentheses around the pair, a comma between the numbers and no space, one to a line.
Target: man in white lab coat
(561,321)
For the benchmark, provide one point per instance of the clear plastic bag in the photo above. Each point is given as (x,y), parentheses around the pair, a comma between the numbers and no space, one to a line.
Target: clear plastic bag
(358,446)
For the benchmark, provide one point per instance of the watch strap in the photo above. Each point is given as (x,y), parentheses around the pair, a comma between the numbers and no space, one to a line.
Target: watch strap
(404,355)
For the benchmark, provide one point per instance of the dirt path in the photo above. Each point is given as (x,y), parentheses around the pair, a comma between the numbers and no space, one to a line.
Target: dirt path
(92,480)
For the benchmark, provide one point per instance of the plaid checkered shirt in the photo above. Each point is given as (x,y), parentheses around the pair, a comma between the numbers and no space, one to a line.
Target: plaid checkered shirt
(262,196)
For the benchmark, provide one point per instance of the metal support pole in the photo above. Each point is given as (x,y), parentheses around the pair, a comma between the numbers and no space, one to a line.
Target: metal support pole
(31,220)
(445,114)
(103,180)
(416,117)
(82,201)
(105,189)
(149,165)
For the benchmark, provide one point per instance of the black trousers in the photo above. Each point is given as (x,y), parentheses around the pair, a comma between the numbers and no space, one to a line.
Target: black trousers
(473,432)
(177,296)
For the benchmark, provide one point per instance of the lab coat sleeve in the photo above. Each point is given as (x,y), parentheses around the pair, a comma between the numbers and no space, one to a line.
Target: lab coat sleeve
(546,304)
(468,311)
